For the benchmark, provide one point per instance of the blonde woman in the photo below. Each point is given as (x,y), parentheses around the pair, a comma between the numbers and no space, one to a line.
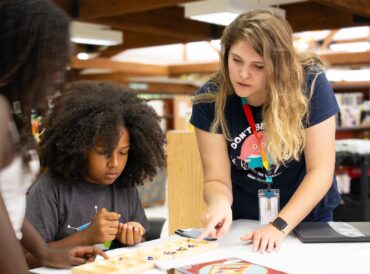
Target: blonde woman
(266,121)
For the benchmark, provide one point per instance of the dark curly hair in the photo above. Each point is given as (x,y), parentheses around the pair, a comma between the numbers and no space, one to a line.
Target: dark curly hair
(90,111)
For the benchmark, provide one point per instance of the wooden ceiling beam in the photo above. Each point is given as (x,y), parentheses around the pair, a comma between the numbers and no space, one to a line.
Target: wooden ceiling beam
(161,22)
(125,67)
(305,16)
(354,40)
(328,39)
(157,27)
(135,69)
(135,39)
(175,70)
(150,87)
(347,59)
(359,7)
(169,88)
(90,9)
(332,59)
(65,5)
(119,77)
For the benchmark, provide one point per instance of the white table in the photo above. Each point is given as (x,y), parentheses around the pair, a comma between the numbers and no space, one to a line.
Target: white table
(293,257)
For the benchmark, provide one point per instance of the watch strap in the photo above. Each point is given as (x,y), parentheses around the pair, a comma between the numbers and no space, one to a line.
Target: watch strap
(279,224)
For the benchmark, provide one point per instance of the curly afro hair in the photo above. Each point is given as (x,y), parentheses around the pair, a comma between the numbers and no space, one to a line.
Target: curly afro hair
(90,111)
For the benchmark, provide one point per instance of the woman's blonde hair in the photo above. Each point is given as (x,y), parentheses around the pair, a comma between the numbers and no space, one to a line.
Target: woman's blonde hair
(287,105)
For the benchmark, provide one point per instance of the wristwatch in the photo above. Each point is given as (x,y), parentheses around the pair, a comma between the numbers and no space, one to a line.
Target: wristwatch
(280,224)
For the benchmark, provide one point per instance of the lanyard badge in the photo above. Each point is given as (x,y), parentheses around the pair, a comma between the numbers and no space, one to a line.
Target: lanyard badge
(268,199)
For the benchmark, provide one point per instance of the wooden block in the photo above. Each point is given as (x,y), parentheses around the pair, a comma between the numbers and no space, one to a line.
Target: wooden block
(185,181)
(143,259)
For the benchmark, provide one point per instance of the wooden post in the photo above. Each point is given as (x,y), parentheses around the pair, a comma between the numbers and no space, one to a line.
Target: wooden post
(185,181)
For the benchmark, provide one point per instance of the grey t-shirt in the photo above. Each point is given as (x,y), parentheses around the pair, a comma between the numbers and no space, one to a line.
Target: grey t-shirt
(57,207)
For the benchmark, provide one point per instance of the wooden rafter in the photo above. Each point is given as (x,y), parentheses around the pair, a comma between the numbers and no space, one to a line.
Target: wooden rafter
(65,5)
(175,70)
(152,22)
(306,16)
(328,39)
(151,87)
(171,88)
(97,8)
(125,67)
(354,40)
(157,27)
(119,77)
(360,7)
(162,22)
(344,58)
(136,69)
(135,39)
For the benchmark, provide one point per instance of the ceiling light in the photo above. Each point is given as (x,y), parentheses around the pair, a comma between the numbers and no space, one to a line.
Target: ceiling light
(82,56)
(223,12)
(94,34)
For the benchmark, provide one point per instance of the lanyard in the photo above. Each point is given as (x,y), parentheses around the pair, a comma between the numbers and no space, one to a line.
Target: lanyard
(252,124)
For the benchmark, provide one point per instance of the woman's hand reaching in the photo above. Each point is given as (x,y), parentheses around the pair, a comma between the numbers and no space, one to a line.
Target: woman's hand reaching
(265,239)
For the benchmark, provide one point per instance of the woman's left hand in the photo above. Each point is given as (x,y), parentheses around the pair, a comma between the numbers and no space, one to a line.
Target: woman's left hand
(267,238)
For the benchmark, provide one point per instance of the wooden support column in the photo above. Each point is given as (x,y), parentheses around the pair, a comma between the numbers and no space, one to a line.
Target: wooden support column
(185,181)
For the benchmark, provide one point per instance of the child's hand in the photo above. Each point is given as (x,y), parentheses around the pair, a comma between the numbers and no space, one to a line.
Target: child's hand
(104,227)
(130,233)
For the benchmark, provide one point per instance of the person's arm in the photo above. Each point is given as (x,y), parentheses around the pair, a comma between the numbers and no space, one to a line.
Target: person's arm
(40,254)
(320,163)
(37,248)
(217,188)
(6,147)
(11,255)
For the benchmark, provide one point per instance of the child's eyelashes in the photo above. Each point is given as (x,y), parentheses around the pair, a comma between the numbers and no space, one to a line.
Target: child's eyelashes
(108,154)
(102,152)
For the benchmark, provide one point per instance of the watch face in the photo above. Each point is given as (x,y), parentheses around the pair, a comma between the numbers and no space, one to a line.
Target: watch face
(279,223)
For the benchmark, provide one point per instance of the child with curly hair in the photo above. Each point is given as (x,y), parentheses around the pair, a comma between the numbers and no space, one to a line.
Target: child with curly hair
(99,142)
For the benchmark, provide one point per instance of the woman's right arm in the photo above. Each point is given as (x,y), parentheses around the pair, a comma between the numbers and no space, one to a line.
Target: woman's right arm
(217,190)
(11,255)
(6,144)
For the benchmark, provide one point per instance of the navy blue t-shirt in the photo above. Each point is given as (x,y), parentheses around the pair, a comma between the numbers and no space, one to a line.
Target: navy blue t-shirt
(245,155)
